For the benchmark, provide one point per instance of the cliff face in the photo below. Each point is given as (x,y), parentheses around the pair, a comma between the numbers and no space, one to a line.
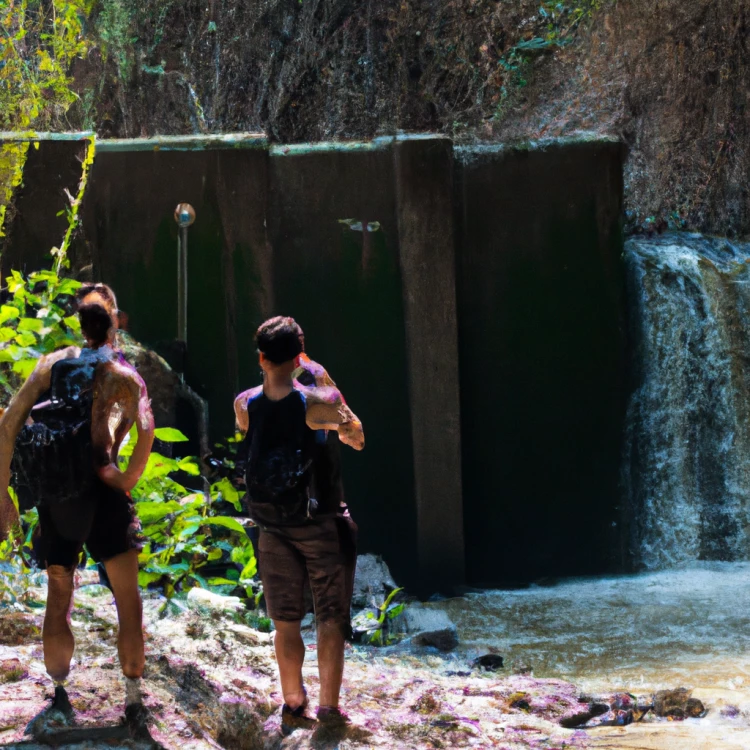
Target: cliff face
(667,76)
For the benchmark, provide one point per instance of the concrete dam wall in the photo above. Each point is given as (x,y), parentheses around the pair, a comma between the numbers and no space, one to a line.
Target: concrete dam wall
(468,300)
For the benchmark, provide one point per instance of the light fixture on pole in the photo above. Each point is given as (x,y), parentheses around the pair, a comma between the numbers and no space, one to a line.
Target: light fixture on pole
(184,215)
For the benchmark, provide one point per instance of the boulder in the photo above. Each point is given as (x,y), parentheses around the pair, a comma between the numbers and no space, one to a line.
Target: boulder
(166,389)
(678,704)
(429,627)
(488,662)
(372,582)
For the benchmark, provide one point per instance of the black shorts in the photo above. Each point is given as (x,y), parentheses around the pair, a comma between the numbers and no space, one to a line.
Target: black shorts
(322,556)
(115,530)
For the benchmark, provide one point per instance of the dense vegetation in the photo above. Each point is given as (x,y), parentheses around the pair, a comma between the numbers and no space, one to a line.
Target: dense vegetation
(187,530)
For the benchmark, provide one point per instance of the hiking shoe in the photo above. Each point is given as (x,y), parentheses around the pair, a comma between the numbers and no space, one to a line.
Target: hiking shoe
(332,716)
(296,718)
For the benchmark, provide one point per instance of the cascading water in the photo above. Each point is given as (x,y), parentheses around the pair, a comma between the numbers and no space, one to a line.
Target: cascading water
(686,467)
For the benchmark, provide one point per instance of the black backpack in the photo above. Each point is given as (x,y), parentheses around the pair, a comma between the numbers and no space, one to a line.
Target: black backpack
(279,451)
(53,461)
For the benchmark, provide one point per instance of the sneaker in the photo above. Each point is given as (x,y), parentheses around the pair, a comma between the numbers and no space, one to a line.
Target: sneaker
(332,716)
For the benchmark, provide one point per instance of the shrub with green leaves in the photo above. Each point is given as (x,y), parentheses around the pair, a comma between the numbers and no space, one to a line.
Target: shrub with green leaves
(186,530)
(35,319)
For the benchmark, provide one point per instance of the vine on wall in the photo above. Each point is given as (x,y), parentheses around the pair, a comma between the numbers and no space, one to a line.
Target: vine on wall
(39,40)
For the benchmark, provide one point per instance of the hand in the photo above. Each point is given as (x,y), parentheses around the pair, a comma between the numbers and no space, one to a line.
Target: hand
(351,434)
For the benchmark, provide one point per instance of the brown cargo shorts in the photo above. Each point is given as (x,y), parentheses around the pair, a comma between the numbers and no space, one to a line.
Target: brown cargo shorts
(324,554)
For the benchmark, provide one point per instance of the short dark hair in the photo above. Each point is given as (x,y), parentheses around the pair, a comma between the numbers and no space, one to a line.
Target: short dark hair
(96,322)
(279,339)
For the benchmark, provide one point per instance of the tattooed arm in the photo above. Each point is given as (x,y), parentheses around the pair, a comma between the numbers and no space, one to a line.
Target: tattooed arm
(120,399)
(350,429)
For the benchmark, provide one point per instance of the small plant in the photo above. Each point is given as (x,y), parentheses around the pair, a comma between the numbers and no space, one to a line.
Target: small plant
(17,575)
(185,533)
(378,629)
(559,21)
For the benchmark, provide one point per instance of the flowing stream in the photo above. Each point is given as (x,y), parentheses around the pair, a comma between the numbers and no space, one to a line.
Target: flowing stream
(640,632)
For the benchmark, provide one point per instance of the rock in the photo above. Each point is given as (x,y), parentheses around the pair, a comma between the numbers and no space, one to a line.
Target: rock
(730,712)
(488,662)
(584,717)
(246,636)
(308,622)
(166,389)
(372,581)
(199,598)
(521,667)
(430,627)
(678,704)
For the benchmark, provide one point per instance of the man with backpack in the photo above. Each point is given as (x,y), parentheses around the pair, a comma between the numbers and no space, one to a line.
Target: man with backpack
(306,535)
(59,440)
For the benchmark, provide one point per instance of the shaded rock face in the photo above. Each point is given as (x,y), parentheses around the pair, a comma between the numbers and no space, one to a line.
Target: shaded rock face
(686,466)
(167,390)
(669,78)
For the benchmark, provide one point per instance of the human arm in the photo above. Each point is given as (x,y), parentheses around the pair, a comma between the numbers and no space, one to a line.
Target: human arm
(119,388)
(349,430)
(240,408)
(11,422)
(327,410)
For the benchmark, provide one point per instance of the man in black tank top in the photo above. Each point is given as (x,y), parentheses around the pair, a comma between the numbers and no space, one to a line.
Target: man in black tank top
(295,496)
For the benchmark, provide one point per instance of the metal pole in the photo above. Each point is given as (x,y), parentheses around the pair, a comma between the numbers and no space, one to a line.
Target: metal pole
(184,215)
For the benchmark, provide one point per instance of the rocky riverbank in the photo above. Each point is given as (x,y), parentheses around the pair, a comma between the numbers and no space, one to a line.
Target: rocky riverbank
(210,682)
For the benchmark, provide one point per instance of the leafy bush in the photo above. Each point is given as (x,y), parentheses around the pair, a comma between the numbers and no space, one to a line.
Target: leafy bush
(35,319)
(186,530)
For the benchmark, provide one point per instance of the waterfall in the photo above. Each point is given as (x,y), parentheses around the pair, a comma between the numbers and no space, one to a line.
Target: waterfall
(686,467)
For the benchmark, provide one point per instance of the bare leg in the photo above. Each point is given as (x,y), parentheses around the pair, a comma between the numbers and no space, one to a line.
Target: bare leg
(122,572)
(290,655)
(330,662)
(57,636)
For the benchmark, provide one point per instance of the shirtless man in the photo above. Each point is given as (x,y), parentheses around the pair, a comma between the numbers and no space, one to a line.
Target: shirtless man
(296,550)
(119,400)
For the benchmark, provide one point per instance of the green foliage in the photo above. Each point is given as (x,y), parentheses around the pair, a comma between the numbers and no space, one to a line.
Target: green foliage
(61,253)
(35,320)
(17,576)
(387,611)
(186,531)
(39,40)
